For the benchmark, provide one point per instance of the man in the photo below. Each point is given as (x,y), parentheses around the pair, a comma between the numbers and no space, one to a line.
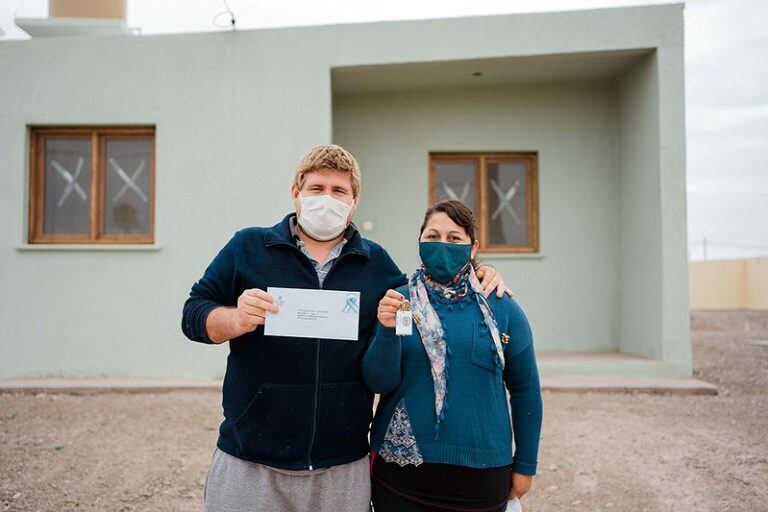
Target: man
(296,411)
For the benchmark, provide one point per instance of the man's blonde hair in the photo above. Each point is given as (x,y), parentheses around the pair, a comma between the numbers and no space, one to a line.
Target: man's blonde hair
(328,157)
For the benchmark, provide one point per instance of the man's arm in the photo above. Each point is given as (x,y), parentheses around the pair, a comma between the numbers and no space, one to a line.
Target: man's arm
(216,288)
(491,280)
(221,325)
(225,323)
(391,277)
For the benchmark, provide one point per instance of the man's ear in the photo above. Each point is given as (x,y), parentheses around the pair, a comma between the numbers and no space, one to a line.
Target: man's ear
(294,192)
(355,204)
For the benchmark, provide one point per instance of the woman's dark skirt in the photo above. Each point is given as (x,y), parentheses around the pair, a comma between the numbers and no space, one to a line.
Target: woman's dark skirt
(438,487)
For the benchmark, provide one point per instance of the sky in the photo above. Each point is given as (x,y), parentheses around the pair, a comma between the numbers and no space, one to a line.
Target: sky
(726,87)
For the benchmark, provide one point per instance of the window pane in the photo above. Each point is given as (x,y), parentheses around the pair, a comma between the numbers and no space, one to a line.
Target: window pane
(128,169)
(67,186)
(456,180)
(508,203)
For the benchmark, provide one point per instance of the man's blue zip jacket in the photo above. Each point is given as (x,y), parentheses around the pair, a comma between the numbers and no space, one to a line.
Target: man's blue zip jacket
(292,403)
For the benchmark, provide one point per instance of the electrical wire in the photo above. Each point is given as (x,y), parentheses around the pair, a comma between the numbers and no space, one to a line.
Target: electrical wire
(710,243)
(226,11)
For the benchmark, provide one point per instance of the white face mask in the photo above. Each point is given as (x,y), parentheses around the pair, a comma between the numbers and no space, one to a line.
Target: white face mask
(323,217)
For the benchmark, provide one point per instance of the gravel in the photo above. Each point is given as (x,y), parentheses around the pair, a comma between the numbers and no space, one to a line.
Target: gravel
(599,452)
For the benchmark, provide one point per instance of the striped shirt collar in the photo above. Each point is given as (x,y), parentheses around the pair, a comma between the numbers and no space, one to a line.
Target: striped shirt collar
(335,252)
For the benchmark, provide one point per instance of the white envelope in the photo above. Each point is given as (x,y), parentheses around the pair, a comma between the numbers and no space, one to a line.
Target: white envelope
(328,314)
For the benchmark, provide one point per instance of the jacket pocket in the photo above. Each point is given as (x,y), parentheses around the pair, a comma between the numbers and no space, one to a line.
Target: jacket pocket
(483,350)
(275,426)
(344,415)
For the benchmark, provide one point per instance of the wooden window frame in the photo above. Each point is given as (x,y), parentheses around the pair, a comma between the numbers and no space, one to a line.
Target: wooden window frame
(98,136)
(480,160)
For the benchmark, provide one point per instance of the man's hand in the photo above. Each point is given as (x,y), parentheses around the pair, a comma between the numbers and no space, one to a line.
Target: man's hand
(252,307)
(491,280)
(519,484)
(388,307)
(226,322)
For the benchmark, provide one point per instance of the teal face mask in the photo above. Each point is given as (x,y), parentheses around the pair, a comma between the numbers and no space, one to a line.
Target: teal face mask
(442,261)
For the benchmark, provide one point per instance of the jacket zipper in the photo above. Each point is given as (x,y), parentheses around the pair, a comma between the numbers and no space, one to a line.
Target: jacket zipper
(317,364)
(314,404)
(317,361)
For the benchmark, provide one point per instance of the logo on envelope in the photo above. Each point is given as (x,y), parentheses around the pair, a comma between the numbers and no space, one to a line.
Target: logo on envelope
(350,306)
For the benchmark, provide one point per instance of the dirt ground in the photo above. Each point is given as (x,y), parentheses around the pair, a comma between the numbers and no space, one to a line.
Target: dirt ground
(598,452)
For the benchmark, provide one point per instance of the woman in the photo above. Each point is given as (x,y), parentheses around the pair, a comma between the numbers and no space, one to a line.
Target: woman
(463,349)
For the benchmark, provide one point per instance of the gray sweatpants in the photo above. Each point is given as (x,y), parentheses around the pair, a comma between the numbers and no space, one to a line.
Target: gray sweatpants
(236,485)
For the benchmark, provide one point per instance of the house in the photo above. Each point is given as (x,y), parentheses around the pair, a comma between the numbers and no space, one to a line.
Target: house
(127,163)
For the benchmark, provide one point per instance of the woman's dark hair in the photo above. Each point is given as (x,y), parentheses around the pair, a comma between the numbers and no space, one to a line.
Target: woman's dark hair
(459,213)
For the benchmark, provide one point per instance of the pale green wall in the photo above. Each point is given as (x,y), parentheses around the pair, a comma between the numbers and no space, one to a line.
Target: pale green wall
(654,275)
(675,324)
(235,111)
(640,292)
(232,121)
(570,291)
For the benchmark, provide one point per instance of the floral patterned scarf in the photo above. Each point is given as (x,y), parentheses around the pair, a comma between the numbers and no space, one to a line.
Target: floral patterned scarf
(431,330)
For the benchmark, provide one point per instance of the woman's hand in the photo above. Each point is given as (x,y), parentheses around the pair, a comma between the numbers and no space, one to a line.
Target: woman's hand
(519,484)
(388,307)
(491,280)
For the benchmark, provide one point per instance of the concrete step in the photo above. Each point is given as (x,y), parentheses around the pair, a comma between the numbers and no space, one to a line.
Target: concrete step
(605,365)
(561,383)
(92,386)
(658,385)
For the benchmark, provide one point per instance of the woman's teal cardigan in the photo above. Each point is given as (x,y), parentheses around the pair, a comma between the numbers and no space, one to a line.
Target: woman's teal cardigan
(476,430)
